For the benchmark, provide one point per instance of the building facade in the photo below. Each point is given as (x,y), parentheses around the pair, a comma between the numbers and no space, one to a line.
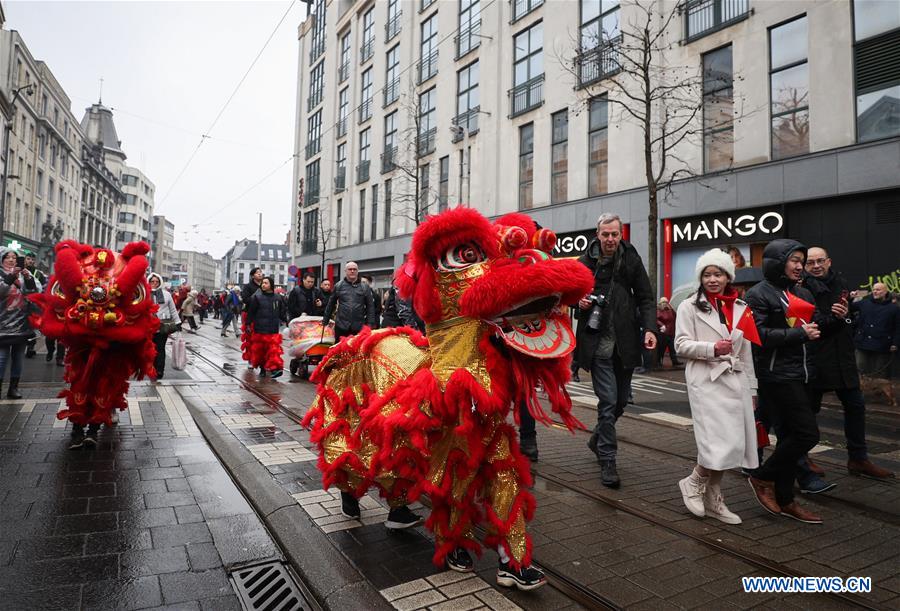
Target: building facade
(199,269)
(135,220)
(43,144)
(162,246)
(274,259)
(405,108)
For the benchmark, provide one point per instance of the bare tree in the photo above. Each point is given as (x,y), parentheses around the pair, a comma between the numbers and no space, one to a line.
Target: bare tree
(665,101)
(325,236)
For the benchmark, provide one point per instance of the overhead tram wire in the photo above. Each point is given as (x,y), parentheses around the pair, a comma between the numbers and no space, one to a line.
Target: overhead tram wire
(206,135)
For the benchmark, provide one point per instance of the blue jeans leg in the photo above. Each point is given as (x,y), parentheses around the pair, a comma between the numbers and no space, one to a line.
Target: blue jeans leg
(611,383)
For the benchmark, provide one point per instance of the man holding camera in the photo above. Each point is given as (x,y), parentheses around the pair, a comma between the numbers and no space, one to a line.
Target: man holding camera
(608,340)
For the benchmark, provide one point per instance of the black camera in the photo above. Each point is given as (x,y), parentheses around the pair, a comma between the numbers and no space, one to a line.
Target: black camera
(598,304)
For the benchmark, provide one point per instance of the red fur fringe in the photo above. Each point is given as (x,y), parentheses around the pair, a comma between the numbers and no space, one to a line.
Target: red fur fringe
(265,351)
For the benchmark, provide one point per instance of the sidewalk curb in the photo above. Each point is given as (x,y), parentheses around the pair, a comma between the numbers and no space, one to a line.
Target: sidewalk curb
(334,581)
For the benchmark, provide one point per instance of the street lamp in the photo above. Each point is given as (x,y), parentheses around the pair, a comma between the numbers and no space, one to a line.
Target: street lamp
(28,89)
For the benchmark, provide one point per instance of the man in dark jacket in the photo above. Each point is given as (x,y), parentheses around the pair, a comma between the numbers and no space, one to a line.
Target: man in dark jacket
(835,359)
(784,369)
(305,298)
(878,336)
(352,304)
(390,315)
(608,341)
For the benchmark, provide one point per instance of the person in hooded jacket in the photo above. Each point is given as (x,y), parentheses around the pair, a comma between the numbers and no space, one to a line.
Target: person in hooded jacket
(265,313)
(168,313)
(608,343)
(784,369)
(390,316)
(15,330)
(305,298)
(247,292)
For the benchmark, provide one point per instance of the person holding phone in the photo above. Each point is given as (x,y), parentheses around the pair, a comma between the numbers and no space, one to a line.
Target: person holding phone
(835,358)
(15,283)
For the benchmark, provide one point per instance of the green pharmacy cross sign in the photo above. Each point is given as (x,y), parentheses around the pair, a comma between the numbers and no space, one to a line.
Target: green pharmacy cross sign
(15,245)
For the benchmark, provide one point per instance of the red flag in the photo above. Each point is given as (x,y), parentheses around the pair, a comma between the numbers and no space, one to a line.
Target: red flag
(798,311)
(748,326)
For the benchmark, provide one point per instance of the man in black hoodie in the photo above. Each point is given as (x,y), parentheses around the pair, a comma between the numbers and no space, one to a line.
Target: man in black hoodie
(784,369)
(305,298)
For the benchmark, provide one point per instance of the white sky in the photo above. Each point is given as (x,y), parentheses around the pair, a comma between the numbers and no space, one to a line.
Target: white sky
(167,69)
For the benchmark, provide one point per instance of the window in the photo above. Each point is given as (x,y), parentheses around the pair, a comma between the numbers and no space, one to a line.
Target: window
(368,36)
(443,183)
(374,227)
(365,108)
(314,134)
(599,22)
(318,35)
(702,17)
(129,181)
(424,4)
(40,183)
(389,155)
(526,166)
(718,110)
(427,122)
(362,170)
(429,50)
(310,227)
(344,67)
(392,76)
(339,223)
(343,110)
(469,26)
(528,70)
(316,86)
(61,199)
(392,27)
(559,158)
(789,89)
(388,185)
(340,177)
(467,101)
(312,183)
(362,215)
(424,177)
(520,8)
(42,145)
(51,185)
(877,66)
(53,156)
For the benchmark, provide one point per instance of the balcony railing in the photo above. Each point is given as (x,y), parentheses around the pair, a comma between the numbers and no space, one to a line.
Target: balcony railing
(314,99)
(313,147)
(367,50)
(468,38)
(392,91)
(365,110)
(466,123)
(362,171)
(312,191)
(389,159)
(598,63)
(392,27)
(342,128)
(702,17)
(527,96)
(343,72)
(427,67)
(426,142)
(308,247)
(340,179)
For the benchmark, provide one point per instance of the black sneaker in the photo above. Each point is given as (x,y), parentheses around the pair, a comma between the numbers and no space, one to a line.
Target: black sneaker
(262,373)
(528,578)
(402,517)
(49,357)
(349,506)
(277,373)
(609,476)
(592,446)
(77,438)
(529,448)
(90,438)
(576,377)
(460,560)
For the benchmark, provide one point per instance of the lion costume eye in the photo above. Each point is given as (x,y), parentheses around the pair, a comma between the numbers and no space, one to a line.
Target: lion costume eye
(460,257)
(139,295)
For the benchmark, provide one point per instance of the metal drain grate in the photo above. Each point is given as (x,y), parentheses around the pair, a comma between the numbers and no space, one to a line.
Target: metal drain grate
(268,587)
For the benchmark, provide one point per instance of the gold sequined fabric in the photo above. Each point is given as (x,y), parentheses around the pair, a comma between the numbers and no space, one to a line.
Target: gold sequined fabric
(455,347)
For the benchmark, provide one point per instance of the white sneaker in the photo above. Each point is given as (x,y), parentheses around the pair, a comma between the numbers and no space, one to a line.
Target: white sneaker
(692,495)
(714,504)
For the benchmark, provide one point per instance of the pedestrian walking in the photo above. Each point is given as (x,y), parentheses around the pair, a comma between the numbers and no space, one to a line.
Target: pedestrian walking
(231,311)
(608,344)
(188,310)
(352,303)
(783,312)
(265,313)
(247,292)
(834,356)
(169,321)
(877,337)
(202,304)
(713,334)
(665,337)
(15,283)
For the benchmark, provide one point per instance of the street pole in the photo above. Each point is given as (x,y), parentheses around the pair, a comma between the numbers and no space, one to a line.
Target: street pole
(6,132)
(259,243)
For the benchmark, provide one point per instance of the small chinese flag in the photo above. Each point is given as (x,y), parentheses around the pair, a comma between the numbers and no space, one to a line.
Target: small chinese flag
(748,326)
(798,312)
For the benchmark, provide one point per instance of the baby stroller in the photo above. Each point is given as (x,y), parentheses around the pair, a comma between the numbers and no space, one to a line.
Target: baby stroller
(308,343)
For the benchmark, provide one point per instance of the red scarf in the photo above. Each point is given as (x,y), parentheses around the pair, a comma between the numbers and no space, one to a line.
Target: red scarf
(724,303)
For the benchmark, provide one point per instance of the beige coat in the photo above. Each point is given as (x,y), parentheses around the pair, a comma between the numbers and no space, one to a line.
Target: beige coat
(720,388)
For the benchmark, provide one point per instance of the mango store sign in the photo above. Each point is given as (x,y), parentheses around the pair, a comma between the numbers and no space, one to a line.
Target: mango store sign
(741,227)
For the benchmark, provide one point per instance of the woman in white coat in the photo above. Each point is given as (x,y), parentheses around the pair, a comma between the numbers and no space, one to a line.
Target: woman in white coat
(721,385)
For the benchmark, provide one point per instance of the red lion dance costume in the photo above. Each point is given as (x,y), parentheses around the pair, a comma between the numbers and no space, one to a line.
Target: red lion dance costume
(98,304)
(413,415)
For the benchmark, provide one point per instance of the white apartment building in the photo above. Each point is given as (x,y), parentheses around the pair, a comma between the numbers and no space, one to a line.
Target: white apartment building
(199,269)
(43,182)
(135,220)
(274,259)
(162,247)
(511,105)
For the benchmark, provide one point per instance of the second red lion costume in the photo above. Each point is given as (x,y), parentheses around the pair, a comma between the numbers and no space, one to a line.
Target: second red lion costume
(413,415)
(97,302)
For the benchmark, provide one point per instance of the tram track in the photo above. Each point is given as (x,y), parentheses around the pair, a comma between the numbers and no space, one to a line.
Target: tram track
(572,589)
